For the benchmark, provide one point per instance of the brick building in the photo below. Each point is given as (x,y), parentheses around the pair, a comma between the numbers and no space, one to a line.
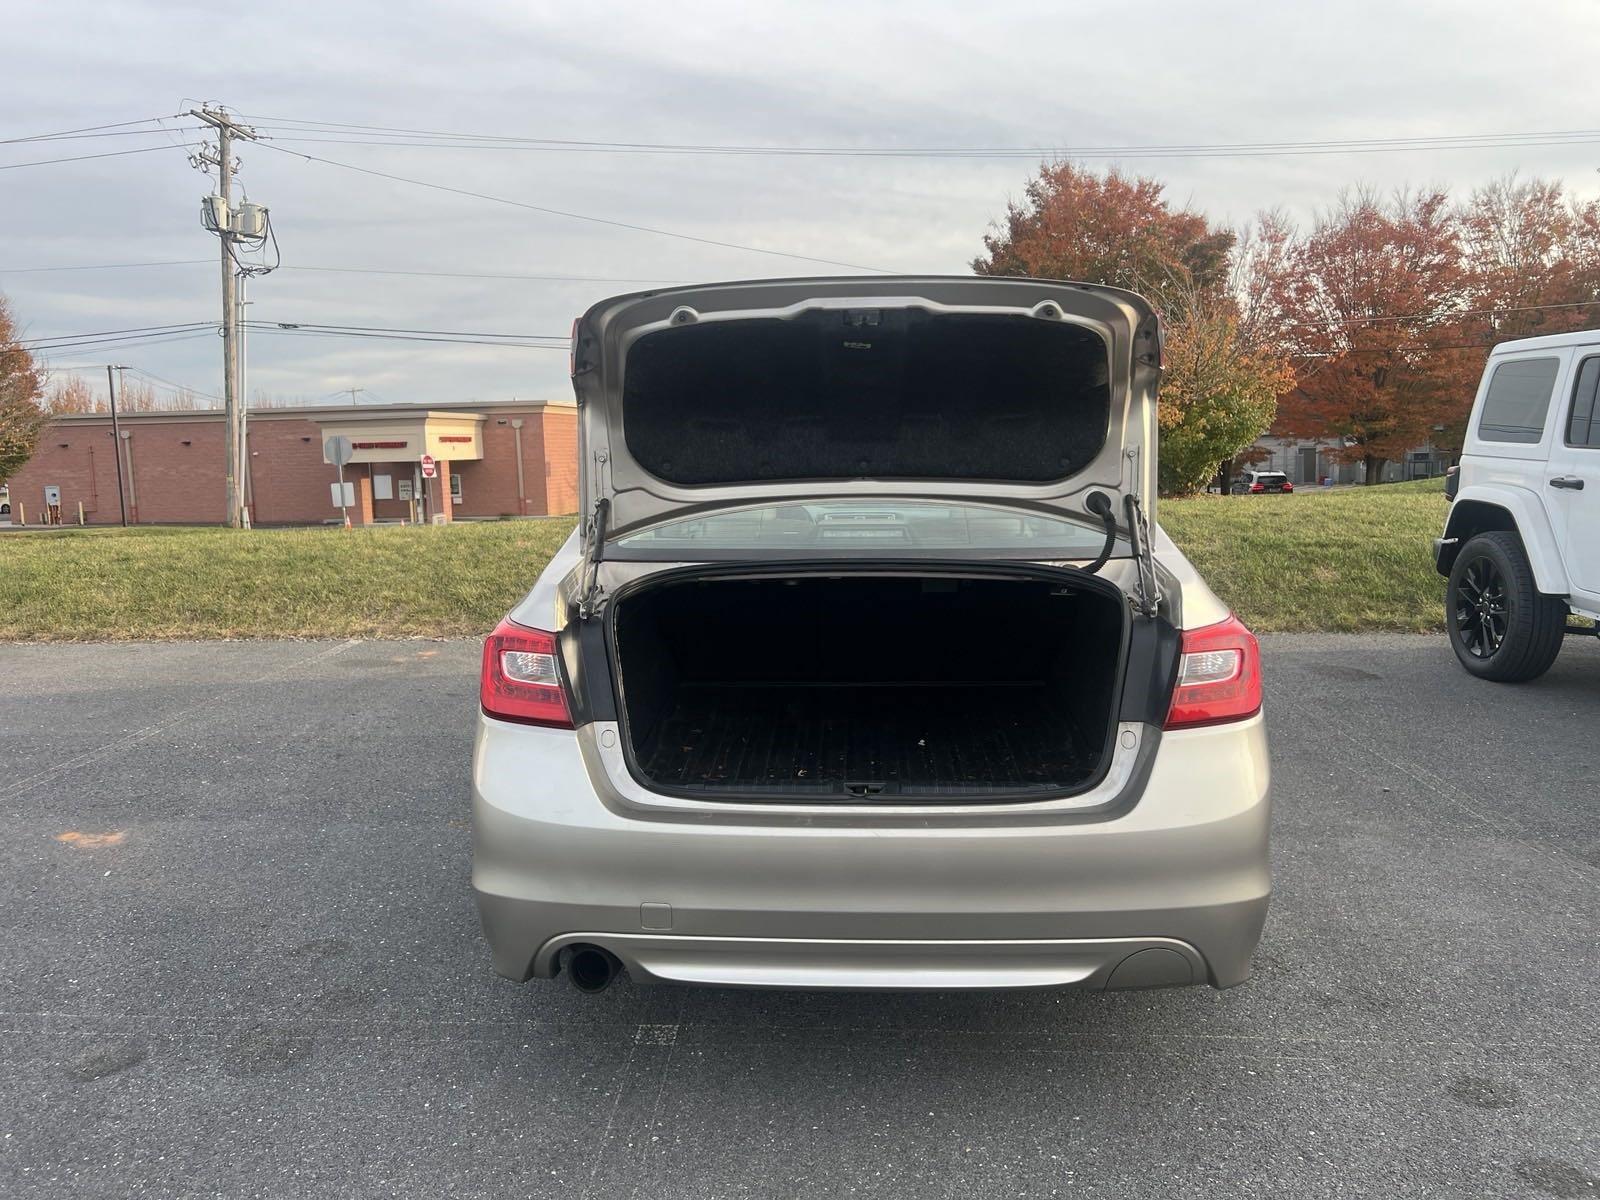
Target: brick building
(495,459)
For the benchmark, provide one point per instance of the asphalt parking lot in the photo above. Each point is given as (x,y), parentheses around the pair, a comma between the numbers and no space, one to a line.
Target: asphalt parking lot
(238,956)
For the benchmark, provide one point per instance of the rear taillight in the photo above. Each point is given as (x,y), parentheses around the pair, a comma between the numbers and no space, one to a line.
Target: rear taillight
(1288,487)
(1258,487)
(1219,676)
(521,679)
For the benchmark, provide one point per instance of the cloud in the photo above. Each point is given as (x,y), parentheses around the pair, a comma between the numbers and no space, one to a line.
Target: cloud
(939,74)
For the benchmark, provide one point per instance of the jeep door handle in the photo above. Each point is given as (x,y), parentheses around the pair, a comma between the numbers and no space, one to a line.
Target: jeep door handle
(1570,482)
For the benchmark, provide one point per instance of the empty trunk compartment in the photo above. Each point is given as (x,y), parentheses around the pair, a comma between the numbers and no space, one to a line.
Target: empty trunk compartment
(862,687)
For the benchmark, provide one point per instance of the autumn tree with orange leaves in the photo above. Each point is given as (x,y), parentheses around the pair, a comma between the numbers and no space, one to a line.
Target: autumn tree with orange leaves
(1391,307)
(1372,304)
(21,419)
(1221,382)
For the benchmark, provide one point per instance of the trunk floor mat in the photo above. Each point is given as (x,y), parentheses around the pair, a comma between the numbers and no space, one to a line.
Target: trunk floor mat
(896,739)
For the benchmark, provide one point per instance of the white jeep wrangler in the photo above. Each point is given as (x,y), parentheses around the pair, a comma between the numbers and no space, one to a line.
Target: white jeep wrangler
(1521,546)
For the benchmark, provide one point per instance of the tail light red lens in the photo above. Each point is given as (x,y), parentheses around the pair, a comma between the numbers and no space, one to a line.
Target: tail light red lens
(1219,676)
(521,679)
(1288,487)
(1258,487)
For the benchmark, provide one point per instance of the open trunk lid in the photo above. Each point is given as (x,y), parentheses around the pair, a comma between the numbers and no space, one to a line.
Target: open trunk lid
(1026,393)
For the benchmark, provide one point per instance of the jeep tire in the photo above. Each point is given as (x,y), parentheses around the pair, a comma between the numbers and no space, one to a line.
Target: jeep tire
(1500,625)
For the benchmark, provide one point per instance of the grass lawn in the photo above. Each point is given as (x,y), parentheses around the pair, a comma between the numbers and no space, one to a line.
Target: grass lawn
(1348,559)
(1341,560)
(209,583)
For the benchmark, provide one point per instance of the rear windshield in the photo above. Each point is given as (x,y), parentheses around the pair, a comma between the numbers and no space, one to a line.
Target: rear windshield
(860,526)
(1269,477)
(894,393)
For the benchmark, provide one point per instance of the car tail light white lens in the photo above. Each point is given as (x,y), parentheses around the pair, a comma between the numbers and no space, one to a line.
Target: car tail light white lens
(521,679)
(1219,676)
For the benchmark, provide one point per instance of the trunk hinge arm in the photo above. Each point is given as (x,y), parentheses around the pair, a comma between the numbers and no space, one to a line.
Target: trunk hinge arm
(593,593)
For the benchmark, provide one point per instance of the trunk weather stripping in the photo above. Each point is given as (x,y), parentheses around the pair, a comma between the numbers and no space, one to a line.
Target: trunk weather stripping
(593,593)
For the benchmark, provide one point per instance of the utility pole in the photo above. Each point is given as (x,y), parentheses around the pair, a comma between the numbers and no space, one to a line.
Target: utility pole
(116,442)
(221,219)
(243,401)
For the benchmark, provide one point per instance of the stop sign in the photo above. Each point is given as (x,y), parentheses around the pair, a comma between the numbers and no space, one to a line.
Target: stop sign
(428,467)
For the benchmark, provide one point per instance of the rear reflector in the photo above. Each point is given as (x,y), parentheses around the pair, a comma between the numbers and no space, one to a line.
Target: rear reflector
(521,679)
(1219,676)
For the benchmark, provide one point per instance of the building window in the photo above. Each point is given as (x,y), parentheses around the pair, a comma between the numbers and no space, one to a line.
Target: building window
(455,488)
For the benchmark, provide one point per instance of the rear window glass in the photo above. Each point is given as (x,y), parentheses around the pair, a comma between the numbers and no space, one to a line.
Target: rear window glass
(890,393)
(1583,425)
(1518,401)
(876,526)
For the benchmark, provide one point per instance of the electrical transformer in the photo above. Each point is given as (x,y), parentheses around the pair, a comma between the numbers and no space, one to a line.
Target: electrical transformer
(214,214)
(250,221)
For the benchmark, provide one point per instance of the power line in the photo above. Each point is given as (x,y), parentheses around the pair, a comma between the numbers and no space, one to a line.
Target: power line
(1447,314)
(574,216)
(955,153)
(172,262)
(45,162)
(87,129)
(187,262)
(182,387)
(142,342)
(149,375)
(399,337)
(484,275)
(110,332)
(319,325)
(77,137)
(303,131)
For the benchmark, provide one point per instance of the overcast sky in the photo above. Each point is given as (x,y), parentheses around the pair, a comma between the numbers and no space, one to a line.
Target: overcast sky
(815,74)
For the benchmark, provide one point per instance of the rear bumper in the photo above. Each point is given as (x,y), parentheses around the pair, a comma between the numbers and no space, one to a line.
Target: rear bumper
(863,964)
(1173,890)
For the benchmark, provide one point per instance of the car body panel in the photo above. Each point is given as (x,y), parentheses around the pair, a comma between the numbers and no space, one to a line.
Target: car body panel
(1572,490)
(638,498)
(1493,484)
(1156,875)
(1513,476)
(1187,861)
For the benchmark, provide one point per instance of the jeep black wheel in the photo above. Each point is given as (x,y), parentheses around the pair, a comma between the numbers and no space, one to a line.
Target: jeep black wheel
(1501,626)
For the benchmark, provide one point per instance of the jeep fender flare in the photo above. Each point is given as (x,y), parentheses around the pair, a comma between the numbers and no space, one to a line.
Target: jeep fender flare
(1519,511)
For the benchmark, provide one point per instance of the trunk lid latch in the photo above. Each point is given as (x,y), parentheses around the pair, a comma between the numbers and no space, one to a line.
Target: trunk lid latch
(862,788)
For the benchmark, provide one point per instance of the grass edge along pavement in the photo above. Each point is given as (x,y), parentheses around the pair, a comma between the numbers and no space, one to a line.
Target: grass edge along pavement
(1341,560)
